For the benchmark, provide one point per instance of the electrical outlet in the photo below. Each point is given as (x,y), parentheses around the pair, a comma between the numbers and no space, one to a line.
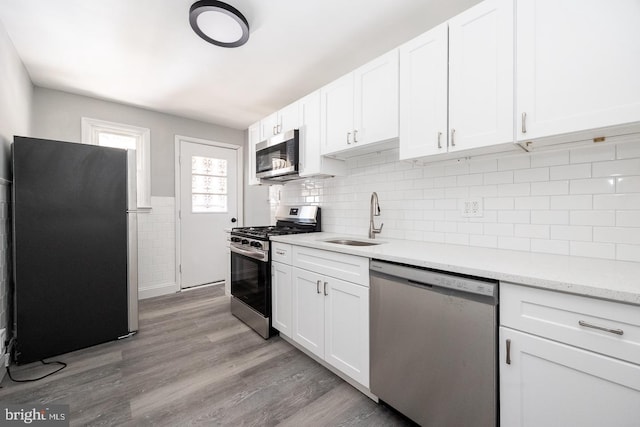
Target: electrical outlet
(472,208)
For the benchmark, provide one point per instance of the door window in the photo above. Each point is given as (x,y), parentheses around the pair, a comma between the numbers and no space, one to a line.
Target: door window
(208,185)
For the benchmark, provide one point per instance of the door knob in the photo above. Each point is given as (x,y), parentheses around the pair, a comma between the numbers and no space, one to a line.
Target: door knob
(233,220)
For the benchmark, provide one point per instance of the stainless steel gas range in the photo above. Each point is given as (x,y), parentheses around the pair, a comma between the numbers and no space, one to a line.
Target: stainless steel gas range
(251,266)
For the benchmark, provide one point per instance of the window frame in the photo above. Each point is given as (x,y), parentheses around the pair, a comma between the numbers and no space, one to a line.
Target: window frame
(91,128)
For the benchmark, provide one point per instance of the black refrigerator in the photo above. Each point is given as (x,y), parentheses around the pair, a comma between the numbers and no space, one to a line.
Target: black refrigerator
(74,246)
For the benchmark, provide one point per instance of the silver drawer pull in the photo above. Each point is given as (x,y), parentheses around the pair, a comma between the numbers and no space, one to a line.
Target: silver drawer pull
(318,286)
(281,252)
(600,328)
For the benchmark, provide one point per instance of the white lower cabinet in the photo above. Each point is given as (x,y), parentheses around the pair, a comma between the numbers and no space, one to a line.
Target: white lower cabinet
(544,382)
(331,320)
(281,294)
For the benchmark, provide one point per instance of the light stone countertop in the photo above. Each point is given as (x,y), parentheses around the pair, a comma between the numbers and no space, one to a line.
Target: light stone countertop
(599,278)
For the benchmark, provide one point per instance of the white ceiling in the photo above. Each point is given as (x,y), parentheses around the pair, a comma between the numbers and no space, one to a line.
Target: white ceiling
(144,53)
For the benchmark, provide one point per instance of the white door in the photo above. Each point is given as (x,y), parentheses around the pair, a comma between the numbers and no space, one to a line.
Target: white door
(208,205)
(578,64)
(481,76)
(336,100)
(347,328)
(423,94)
(376,100)
(308,311)
(281,294)
(547,383)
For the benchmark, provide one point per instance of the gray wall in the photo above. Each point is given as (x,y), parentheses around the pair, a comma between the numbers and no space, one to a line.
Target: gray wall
(16,93)
(56,115)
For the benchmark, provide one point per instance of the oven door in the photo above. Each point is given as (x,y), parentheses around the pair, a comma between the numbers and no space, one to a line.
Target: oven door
(278,156)
(251,280)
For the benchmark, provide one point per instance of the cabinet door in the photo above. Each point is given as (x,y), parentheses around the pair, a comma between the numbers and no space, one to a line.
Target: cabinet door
(268,126)
(376,100)
(346,317)
(336,103)
(481,71)
(552,384)
(578,64)
(281,294)
(254,138)
(423,94)
(310,158)
(288,118)
(308,311)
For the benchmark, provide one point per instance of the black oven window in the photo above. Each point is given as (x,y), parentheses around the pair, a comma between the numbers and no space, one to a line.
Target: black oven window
(249,282)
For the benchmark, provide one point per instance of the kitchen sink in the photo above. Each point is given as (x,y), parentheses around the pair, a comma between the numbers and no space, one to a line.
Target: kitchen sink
(352,242)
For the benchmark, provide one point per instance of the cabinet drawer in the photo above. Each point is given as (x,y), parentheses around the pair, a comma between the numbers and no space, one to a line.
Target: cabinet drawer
(351,268)
(281,252)
(602,326)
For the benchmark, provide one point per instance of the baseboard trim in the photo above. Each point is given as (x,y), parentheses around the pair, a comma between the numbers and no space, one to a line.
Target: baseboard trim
(158,290)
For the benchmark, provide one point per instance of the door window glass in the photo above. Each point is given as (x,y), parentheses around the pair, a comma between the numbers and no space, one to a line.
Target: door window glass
(208,185)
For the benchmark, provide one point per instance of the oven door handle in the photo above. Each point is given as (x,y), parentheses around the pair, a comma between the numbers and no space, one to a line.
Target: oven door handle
(251,254)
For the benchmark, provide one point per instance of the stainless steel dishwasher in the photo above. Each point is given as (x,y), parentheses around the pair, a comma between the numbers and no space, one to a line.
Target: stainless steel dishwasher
(433,345)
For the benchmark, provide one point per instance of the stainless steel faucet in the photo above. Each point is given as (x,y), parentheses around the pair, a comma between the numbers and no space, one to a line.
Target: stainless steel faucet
(375,211)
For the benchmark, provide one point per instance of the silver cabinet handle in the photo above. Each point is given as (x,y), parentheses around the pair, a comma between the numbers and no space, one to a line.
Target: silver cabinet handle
(453,137)
(318,286)
(524,122)
(348,136)
(273,129)
(439,136)
(279,128)
(600,328)
(279,252)
(508,352)
(325,289)
(355,136)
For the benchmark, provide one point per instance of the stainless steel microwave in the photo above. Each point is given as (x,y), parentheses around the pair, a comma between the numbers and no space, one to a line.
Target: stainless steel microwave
(277,157)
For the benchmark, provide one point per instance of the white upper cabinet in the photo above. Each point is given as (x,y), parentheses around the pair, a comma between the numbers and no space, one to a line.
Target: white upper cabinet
(423,94)
(481,75)
(280,121)
(311,162)
(361,107)
(253,134)
(578,64)
(456,85)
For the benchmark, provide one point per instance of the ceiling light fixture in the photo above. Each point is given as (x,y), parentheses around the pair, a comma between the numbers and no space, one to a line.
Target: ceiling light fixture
(219,23)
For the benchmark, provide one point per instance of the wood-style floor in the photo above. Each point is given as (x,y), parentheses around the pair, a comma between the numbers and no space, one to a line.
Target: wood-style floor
(193,363)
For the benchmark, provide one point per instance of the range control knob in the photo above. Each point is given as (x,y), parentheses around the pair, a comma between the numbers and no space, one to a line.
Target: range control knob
(244,241)
(256,245)
(235,239)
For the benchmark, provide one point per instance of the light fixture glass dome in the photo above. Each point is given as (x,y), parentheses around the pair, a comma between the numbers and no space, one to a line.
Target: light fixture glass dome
(219,23)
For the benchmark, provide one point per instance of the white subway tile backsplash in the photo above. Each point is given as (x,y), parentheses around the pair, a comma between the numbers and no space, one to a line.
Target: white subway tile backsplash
(532,203)
(626,235)
(628,253)
(629,201)
(551,158)
(580,233)
(533,231)
(593,250)
(549,217)
(498,177)
(521,161)
(514,243)
(593,186)
(627,184)
(594,218)
(572,202)
(627,219)
(531,175)
(592,154)
(628,150)
(545,202)
(549,188)
(514,217)
(617,167)
(570,172)
(559,247)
